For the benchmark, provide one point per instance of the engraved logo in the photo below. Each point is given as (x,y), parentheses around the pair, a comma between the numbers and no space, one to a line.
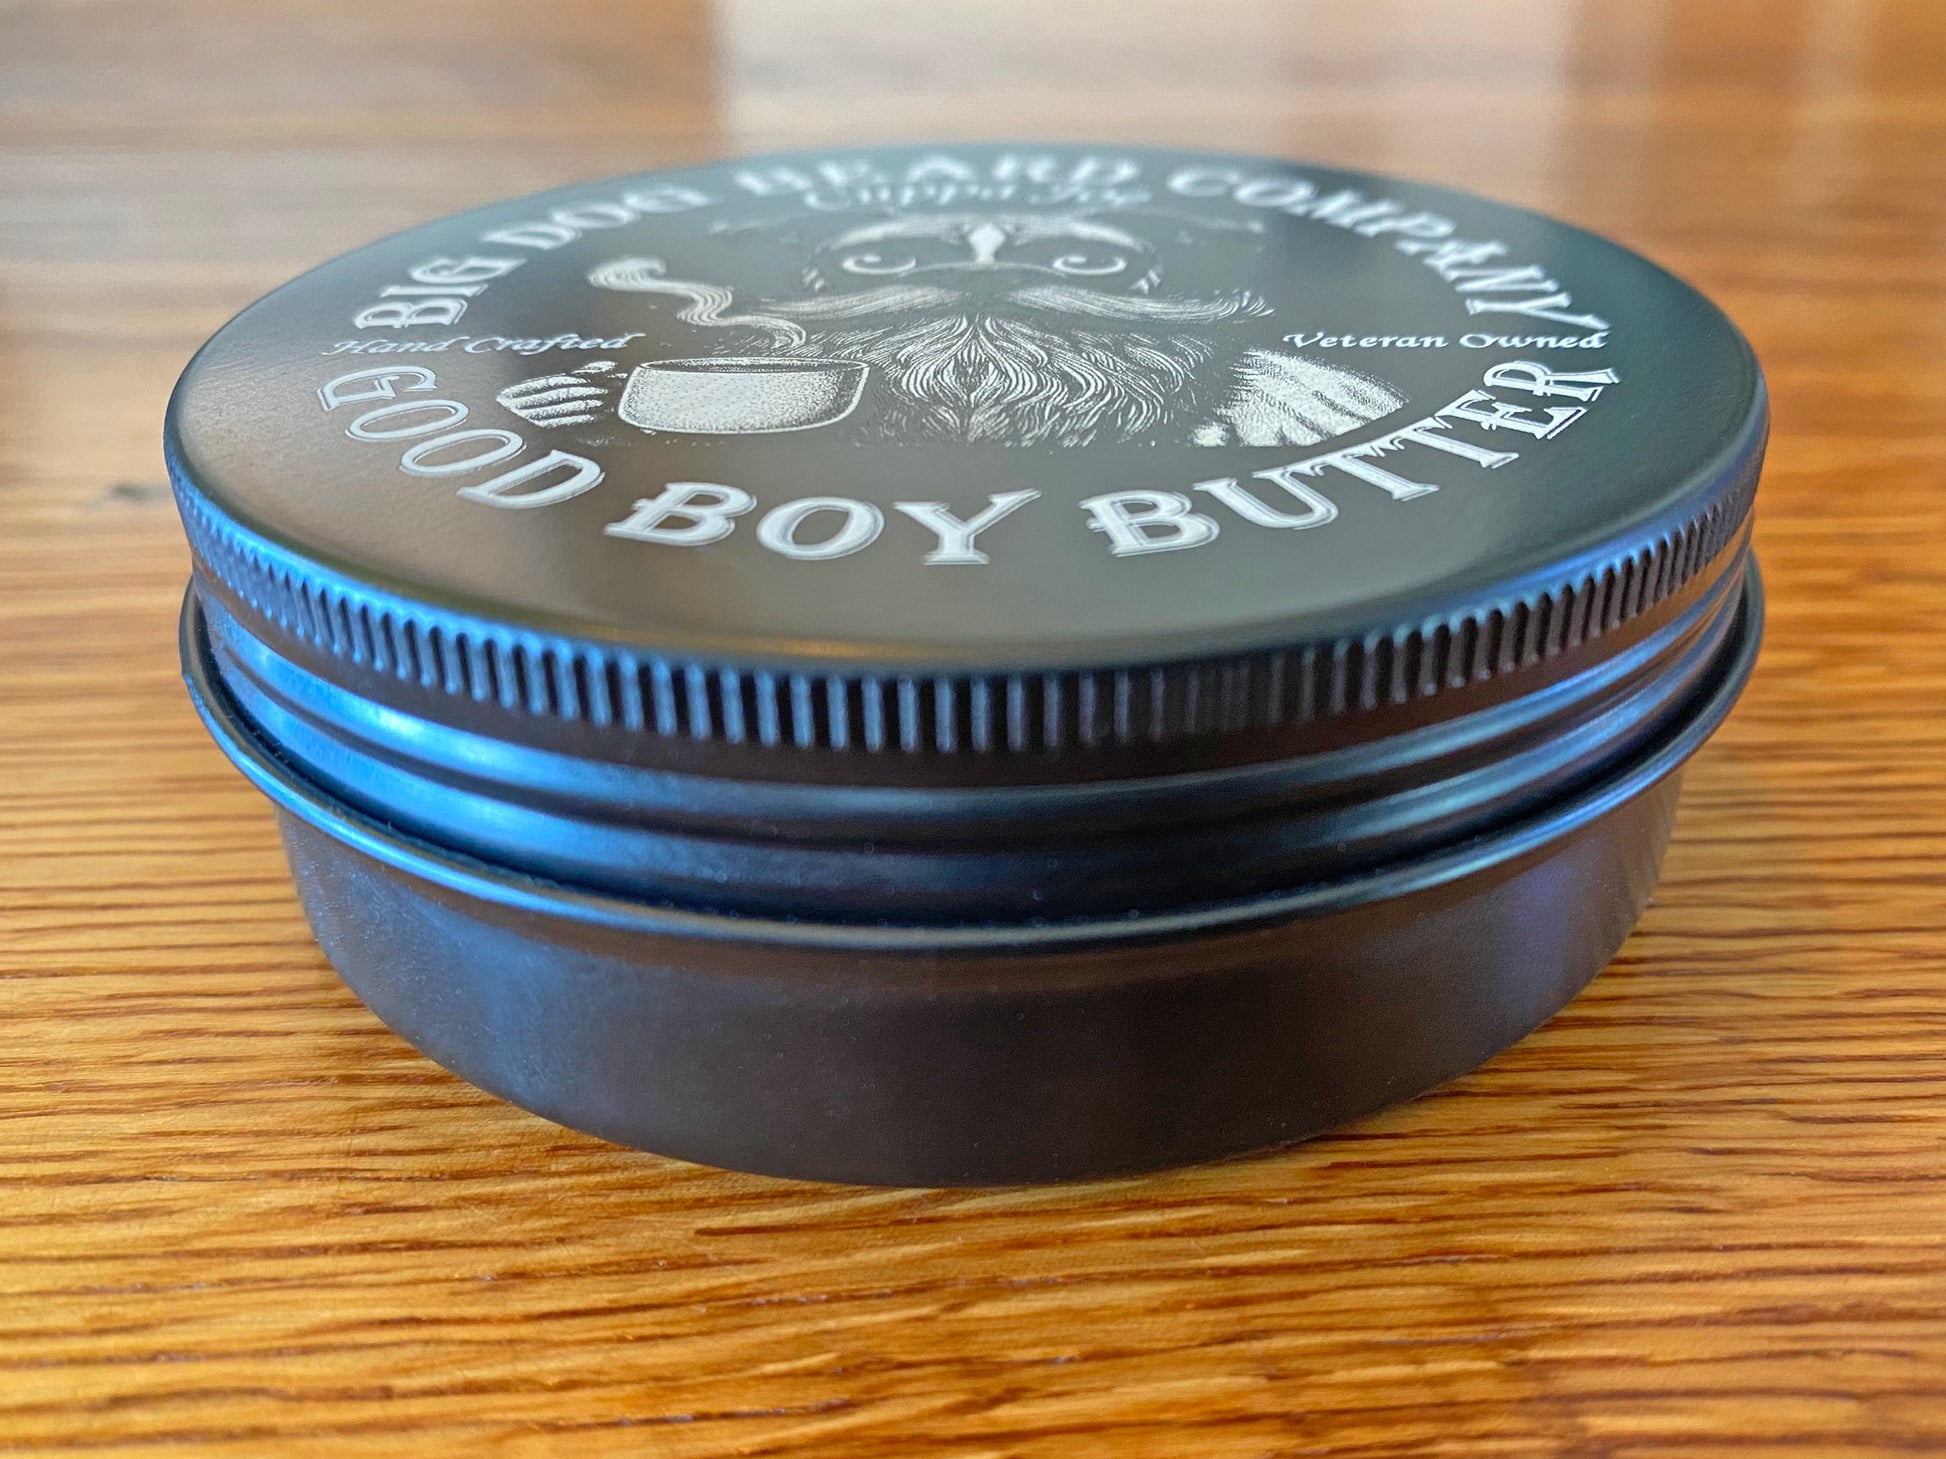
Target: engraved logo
(1008,328)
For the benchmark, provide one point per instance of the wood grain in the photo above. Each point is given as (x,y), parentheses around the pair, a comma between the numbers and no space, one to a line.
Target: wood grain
(1701,1213)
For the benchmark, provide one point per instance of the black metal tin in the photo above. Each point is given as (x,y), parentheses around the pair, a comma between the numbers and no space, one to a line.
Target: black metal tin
(972,664)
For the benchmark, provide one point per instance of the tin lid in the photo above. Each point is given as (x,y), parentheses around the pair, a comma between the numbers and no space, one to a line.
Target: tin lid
(966,466)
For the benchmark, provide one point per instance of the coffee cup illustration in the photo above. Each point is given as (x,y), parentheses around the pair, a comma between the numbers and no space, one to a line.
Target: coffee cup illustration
(740,394)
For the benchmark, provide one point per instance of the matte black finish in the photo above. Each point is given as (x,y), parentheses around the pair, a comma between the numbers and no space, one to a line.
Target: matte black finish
(981,1055)
(973,663)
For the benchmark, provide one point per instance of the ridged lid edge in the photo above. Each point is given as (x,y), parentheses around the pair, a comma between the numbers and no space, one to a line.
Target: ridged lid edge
(479,662)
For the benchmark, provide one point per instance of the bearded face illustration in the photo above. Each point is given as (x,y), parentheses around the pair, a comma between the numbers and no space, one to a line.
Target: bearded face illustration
(1017,330)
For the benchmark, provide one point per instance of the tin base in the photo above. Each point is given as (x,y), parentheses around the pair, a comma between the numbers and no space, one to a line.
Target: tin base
(956,1067)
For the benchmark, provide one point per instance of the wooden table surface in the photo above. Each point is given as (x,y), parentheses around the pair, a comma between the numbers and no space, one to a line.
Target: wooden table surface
(1703,1212)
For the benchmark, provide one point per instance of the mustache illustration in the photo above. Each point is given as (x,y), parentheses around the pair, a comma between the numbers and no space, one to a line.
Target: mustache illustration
(1041,363)
(1013,379)
(711,305)
(1058,299)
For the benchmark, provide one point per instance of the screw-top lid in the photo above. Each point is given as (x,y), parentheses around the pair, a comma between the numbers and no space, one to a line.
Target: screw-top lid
(965,465)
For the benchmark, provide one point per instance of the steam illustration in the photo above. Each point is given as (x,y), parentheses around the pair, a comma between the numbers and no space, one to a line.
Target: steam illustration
(707,302)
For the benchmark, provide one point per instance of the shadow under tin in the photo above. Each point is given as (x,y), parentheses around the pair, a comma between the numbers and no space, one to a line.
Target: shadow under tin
(971,664)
